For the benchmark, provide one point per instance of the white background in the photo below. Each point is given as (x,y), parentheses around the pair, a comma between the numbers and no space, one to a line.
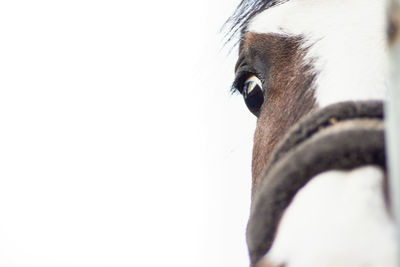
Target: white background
(120,144)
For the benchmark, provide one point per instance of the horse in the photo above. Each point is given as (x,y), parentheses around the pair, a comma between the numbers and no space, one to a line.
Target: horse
(315,73)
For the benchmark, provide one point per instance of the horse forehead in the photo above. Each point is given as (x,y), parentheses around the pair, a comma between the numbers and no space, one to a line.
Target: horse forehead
(345,41)
(319,16)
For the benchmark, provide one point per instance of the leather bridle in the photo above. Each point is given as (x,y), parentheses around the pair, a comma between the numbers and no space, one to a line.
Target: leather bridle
(342,136)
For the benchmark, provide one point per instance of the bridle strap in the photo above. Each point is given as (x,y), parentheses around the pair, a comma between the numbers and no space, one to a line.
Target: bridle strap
(340,137)
(324,118)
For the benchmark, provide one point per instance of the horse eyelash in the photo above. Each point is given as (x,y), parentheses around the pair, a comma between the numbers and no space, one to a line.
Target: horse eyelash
(234,89)
(239,81)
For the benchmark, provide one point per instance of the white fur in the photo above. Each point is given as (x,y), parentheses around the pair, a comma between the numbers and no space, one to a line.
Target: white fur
(347,44)
(338,219)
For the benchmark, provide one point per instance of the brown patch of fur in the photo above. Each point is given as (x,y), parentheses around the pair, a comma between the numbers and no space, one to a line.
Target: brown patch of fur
(289,93)
(393,28)
(386,194)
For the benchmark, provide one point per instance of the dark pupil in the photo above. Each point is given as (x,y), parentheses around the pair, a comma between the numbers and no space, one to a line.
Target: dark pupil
(254,99)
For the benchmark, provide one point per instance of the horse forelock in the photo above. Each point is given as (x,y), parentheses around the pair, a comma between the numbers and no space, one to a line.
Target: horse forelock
(246,10)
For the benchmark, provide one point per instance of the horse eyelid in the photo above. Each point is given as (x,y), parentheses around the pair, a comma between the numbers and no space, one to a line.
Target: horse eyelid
(241,78)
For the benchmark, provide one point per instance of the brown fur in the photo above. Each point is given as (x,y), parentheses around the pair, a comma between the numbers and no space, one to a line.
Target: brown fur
(393,28)
(289,93)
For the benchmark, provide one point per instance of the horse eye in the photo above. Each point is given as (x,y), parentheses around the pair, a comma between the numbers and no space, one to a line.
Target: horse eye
(253,94)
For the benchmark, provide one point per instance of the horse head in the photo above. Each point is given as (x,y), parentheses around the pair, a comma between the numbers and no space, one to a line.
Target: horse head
(304,67)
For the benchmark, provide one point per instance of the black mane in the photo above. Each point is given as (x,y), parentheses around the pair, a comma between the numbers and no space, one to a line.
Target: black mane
(246,10)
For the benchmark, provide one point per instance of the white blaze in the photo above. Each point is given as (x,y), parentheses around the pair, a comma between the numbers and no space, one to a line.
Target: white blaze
(346,40)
